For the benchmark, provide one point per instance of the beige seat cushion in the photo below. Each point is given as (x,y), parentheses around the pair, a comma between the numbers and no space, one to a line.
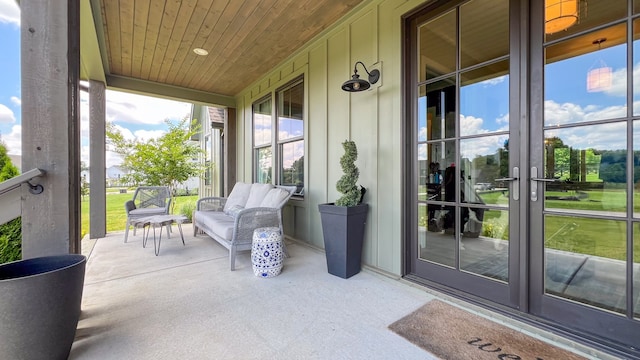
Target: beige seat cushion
(274,198)
(257,194)
(238,196)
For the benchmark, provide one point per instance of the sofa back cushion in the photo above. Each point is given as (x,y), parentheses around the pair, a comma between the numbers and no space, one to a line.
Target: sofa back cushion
(238,196)
(274,198)
(257,194)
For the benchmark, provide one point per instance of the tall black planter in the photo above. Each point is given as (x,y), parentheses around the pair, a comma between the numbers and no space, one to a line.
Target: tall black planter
(40,301)
(343,231)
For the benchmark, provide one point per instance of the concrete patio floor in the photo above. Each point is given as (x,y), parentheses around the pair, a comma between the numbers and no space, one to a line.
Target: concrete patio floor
(186,304)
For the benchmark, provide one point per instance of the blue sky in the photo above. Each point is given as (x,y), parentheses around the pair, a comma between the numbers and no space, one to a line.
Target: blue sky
(484,105)
(136,116)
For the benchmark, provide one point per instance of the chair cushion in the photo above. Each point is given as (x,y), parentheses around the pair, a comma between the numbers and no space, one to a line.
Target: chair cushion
(219,223)
(257,194)
(274,197)
(146,212)
(238,196)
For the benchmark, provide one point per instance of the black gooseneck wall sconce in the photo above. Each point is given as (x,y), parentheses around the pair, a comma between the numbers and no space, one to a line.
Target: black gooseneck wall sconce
(357,84)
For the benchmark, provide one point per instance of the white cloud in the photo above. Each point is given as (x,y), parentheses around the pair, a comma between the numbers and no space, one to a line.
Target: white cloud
(568,113)
(16,101)
(137,109)
(494,81)
(471,125)
(9,12)
(6,115)
(13,140)
(146,135)
(482,146)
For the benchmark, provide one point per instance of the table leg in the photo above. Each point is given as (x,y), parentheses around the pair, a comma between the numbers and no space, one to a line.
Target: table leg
(157,250)
(145,237)
(181,236)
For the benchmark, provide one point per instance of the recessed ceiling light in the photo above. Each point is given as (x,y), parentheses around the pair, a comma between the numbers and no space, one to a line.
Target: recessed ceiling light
(200,51)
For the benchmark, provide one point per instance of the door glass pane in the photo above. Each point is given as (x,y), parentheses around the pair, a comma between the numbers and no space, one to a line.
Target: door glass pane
(636,61)
(486,253)
(436,110)
(636,270)
(588,164)
(636,169)
(485,231)
(484,99)
(574,16)
(434,244)
(585,261)
(484,35)
(586,81)
(437,44)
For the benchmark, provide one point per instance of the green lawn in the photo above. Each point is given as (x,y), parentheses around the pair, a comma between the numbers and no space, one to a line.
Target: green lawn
(116,216)
(605,238)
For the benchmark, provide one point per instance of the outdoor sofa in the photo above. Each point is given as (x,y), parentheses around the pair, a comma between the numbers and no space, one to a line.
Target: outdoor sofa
(231,220)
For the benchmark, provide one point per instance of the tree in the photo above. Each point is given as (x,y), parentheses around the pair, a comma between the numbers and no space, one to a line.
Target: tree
(11,232)
(166,161)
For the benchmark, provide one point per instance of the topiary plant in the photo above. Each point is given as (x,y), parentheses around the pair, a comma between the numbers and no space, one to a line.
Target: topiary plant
(346,185)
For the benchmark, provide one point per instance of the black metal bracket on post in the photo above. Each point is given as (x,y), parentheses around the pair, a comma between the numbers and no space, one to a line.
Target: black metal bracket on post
(35,189)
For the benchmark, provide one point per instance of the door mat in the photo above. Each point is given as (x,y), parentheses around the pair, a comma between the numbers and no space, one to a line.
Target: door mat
(452,333)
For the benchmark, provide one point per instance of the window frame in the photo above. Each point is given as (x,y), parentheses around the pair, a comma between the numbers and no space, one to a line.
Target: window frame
(276,145)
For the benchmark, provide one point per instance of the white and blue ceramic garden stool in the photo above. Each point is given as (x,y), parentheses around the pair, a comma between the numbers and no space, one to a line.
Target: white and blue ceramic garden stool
(266,252)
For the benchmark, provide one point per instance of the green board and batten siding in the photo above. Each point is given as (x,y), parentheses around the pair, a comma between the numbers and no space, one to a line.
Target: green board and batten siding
(371,33)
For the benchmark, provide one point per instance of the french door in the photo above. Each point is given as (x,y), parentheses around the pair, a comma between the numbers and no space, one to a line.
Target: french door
(525,154)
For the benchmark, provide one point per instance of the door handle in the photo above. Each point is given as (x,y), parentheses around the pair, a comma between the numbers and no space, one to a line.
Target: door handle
(534,183)
(515,188)
(545,179)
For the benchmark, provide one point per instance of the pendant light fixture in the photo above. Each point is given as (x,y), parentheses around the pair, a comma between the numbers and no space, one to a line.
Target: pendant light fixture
(599,76)
(559,15)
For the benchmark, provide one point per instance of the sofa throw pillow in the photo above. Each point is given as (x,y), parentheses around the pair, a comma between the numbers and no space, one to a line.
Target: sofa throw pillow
(238,196)
(274,198)
(257,194)
(234,210)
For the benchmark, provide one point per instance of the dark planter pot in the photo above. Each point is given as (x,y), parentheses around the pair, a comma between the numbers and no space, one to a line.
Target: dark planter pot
(343,231)
(40,302)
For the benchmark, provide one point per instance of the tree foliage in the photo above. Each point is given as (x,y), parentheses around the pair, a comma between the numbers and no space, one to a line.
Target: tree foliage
(166,161)
(11,232)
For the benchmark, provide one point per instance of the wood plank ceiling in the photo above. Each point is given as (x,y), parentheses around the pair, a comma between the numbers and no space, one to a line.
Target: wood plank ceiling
(153,40)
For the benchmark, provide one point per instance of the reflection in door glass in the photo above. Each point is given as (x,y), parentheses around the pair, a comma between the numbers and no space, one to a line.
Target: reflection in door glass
(636,270)
(585,261)
(586,169)
(484,99)
(484,161)
(436,38)
(436,110)
(434,244)
(590,86)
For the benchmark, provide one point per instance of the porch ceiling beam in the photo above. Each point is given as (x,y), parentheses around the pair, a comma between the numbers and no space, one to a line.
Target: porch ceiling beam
(151,88)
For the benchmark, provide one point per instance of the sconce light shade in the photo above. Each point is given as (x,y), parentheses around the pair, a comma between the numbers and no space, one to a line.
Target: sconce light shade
(357,84)
(559,15)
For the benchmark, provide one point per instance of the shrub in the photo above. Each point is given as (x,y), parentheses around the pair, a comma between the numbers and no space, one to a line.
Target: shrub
(187,210)
(11,241)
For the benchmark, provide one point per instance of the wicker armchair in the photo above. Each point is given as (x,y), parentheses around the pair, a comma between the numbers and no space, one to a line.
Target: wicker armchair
(147,201)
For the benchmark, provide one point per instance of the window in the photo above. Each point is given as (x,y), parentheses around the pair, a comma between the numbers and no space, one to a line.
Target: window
(288,140)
